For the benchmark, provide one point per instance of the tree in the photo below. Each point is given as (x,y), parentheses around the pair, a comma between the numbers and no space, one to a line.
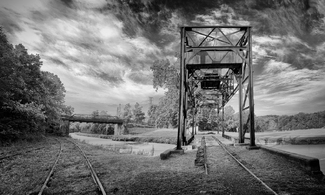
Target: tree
(208,118)
(165,75)
(229,120)
(138,114)
(95,113)
(31,100)
(53,99)
(127,114)
(152,113)
(103,113)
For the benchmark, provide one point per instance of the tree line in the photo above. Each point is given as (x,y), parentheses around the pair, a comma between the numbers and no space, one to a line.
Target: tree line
(291,122)
(31,100)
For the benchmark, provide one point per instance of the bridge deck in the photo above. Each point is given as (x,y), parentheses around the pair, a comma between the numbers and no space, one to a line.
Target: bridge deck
(93,120)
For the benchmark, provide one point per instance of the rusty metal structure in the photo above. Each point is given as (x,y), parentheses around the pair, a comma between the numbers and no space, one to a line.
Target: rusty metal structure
(215,64)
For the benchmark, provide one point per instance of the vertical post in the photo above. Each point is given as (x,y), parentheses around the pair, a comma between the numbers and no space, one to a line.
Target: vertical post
(185,104)
(218,119)
(181,88)
(223,119)
(193,121)
(240,135)
(251,92)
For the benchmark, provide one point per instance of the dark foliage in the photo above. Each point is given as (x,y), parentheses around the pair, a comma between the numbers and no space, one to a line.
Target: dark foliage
(31,100)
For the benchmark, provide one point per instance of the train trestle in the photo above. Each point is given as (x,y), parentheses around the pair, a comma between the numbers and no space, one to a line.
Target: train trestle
(215,64)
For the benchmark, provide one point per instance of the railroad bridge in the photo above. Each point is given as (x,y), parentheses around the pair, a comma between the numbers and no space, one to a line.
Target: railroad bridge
(119,128)
(215,64)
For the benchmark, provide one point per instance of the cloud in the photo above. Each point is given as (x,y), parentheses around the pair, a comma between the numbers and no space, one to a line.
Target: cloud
(9,21)
(141,77)
(90,43)
(283,84)
(102,50)
(225,15)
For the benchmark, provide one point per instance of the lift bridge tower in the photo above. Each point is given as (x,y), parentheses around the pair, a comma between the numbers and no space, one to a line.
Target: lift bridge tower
(215,64)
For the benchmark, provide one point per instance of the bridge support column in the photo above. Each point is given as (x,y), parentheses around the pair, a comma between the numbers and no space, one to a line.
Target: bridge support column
(64,127)
(120,129)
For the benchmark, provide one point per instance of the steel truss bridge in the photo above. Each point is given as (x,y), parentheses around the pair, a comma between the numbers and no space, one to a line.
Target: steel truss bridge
(215,64)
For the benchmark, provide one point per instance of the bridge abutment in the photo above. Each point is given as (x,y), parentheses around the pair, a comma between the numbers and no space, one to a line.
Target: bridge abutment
(120,129)
(64,127)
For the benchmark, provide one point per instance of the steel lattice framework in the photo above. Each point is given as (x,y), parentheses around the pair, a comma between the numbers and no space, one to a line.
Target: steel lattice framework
(215,64)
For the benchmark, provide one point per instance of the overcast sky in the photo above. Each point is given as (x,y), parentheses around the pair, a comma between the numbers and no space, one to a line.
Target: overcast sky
(102,50)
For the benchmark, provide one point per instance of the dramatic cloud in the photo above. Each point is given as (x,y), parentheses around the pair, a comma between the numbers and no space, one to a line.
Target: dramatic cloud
(103,50)
(8,20)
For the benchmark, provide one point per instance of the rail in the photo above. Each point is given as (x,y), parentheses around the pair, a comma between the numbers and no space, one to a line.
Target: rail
(93,173)
(243,166)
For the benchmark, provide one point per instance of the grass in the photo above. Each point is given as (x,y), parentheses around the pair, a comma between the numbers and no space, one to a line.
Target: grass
(168,136)
(138,130)
(123,149)
(160,133)
(27,171)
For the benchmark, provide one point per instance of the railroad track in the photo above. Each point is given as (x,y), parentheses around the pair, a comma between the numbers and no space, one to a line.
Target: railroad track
(270,190)
(71,159)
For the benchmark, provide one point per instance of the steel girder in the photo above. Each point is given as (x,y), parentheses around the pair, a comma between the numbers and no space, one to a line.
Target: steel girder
(215,60)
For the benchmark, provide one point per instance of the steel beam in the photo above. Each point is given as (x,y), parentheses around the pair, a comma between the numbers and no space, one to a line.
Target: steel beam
(240,130)
(213,66)
(223,120)
(181,93)
(221,48)
(188,28)
(251,92)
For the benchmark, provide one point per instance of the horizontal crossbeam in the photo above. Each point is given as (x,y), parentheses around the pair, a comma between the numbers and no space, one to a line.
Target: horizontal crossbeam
(213,66)
(189,28)
(219,48)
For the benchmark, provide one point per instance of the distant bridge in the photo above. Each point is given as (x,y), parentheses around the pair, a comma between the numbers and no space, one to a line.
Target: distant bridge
(119,128)
(86,118)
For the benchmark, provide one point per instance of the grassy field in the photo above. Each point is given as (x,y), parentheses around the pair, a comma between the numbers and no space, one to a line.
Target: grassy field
(302,136)
(138,130)
(152,132)
(300,133)
(168,136)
